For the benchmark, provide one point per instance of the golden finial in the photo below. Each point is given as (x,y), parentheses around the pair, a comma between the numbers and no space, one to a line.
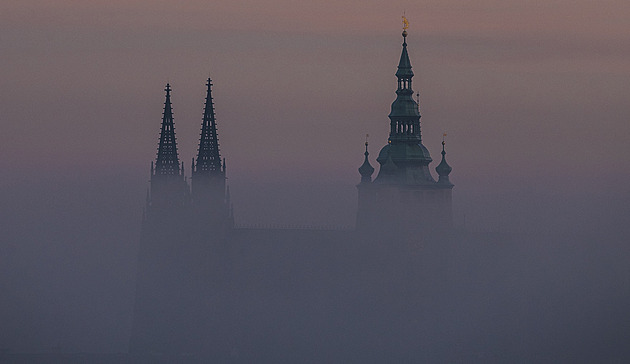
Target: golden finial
(366,139)
(405,26)
(443,138)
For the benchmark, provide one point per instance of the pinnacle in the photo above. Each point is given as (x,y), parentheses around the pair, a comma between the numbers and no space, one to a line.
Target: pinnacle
(208,157)
(167,162)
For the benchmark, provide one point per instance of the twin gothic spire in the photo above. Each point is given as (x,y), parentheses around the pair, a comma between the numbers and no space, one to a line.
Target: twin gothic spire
(208,159)
(207,192)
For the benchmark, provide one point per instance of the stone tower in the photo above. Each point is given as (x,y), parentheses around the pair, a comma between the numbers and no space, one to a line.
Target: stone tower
(183,258)
(161,262)
(169,189)
(210,197)
(404,195)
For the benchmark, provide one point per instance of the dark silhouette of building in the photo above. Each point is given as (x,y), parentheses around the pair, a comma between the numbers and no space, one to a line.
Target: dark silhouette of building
(210,197)
(208,288)
(168,187)
(404,187)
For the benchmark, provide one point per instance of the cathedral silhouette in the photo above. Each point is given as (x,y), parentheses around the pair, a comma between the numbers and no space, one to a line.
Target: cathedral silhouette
(207,288)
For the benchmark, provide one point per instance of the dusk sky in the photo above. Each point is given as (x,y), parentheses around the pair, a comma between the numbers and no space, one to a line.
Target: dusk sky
(533,95)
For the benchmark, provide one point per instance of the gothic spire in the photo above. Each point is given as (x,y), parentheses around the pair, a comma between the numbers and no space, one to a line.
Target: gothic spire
(208,158)
(167,162)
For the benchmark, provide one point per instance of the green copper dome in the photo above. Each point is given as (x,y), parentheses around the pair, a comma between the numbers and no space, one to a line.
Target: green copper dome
(405,152)
(404,105)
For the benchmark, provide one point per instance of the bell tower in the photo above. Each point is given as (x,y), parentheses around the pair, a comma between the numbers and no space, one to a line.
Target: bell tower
(404,195)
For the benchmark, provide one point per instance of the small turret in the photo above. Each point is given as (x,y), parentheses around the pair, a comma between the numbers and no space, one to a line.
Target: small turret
(366,168)
(443,169)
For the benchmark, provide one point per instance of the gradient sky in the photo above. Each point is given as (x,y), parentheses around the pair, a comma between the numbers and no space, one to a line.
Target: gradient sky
(533,95)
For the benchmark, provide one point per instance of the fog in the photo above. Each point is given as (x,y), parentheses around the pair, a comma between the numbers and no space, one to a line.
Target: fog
(533,101)
(546,270)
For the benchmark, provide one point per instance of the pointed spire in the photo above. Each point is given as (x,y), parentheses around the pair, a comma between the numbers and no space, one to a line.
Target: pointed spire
(208,157)
(366,168)
(405,149)
(443,169)
(167,162)
(405,114)
(404,65)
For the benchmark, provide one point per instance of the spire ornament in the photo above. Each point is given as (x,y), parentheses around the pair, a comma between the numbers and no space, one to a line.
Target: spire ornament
(405,26)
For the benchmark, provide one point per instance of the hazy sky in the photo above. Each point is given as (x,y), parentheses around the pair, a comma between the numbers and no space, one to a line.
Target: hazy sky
(533,95)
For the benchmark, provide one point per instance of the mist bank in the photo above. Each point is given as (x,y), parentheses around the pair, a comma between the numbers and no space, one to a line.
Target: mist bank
(69,249)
